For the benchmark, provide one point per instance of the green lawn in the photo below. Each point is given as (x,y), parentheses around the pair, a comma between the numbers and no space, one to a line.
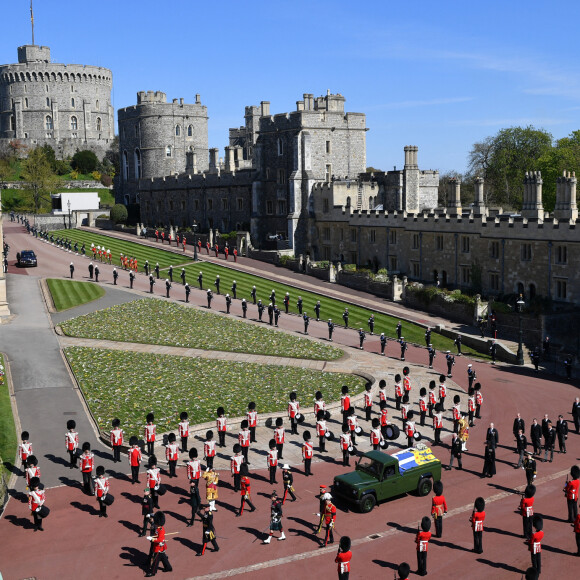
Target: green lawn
(7,429)
(330,308)
(69,293)
(154,321)
(128,385)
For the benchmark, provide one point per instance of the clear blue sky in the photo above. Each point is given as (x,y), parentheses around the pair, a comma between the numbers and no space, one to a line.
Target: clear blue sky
(440,75)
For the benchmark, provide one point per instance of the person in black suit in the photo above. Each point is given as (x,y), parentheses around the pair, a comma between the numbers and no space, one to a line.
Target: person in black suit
(492,438)
(549,442)
(519,425)
(576,414)
(562,432)
(536,436)
(488,461)
(455,452)
(521,445)
(545,427)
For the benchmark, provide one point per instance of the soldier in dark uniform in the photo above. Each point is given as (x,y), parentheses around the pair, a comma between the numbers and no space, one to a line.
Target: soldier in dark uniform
(187,292)
(345,317)
(428,337)
(493,350)
(260,310)
(432,355)
(535,358)
(536,436)
(253,294)
(471,375)
(521,447)
(383,341)
(450,362)
(273,297)
(481,326)
(546,346)
(146,268)
(271,313)
(275,519)
(330,329)
(151,283)
(131,278)
(170,272)
(457,343)
(244,307)
(306,319)
(157,270)
(72,270)
(194,500)
(200,280)
(228,303)
(288,480)
(455,452)
(361,336)
(91,270)
(83,250)
(167,287)
(115,276)
(399,330)
(371,323)
(182,276)
(549,442)
(403,347)
(276,315)
(209,534)
(96,273)
(287,302)
(209,297)
(147,512)
(234,289)
(530,467)
(299,304)
(217,283)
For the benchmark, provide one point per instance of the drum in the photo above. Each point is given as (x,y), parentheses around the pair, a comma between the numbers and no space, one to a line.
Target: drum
(162,490)
(300,418)
(358,430)
(43,511)
(352,450)
(268,422)
(392,432)
(165,439)
(109,499)
(329,435)
(141,444)
(417,436)
(383,444)
(326,415)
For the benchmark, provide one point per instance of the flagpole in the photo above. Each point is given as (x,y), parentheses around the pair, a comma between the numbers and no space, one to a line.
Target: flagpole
(32,22)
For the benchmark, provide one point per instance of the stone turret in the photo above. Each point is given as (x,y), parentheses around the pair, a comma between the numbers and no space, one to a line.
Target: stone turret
(566,208)
(479,208)
(532,204)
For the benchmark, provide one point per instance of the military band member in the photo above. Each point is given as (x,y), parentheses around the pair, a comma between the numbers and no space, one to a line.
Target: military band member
(146,512)
(36,499)
(209,296)
(322,497)
(530,467)
(307,453)
(286,302)
(471,375)
(71,439)
(330,329)
(32,469)
(384,415)
(245,489)
(410,429)
(432,400)
(405,411)
(432,355)
(151,283)
(159,547)
(212,479)
(536,436)
(562,433)
(345,444)
(101,490)
(527,510)
(116,438)
(535,544)
(293,412)
(361,336)
(172,454)
(244,307)
(403,347)
(345,317)
(252,416)
(477,518)
(329,521)
(571,490)
(209,449)
(244,438)
(276,315)
(272,460)
(193,466)
(343,558)
(438,507)
(275,519)
(116,275)
(24,448)
(383,341)
(184,430)
(271,313)
(456,413)
(87,464)
(253,294)
(235,465)
(134,456)
(154,479)
(422,405)
(442,391)
(352,421)
(222,426)
(376,435)
(368,401)
(398,391)
(422,540)
(260,310)
(150,432)
(279,435)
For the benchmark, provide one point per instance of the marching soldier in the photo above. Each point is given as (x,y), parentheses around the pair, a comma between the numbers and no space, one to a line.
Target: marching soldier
(222,426)
(438,508)
(368,401)
(288,481)
(403,347)
(275,519)
(477,518)
(244,437)
(456,451)
(293,412)
(150,432)
(471,406)
(32,469)
(353,425)
(209,449)
(382,391)
(438,424)
(71,440)
(571,490)
(535,544)
(172,454)
(253,294)
(151,283)
(279,435)
(383,341)
(194,500)
(200,280)
(329,521)
(276,315)
(159,547)
(345,317)
(322,497)
(450,362)
(245,489)
(167,287)
(235,465)
(234,289)
(428,337)
(287,302)
(146,512)
(208,534)
(36,499)
(527,510)
(87,462)
(252,416)
(306,319)
(442,391)
(399,330)
(244,307)
(217,283)
(260,310)
(272,460)
(307,452)
(471,375)
(403,571)
(398,392)
(209,298)
(317,310)
(432,355)
(193,466)
(371,323)
(228,303)
(345,444)
(330,329)
(101,491)
(154,480)
(321,431)
(343,558)
(422,540)
(212,478)
(135,457)
(116,439)
(361,335)
(344,404)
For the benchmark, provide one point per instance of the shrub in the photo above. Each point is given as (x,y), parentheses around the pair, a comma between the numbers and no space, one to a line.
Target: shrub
(283,260)
(85,161)
(321,264)
(96,175)
(119,214)
(106,180)
(74,174)
(349,268)
(382,272)
(62,167)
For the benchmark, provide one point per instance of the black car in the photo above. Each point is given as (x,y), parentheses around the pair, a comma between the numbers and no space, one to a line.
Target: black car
(26,258)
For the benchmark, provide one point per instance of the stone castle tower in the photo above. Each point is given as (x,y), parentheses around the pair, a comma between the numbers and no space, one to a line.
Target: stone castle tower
(157,138)
(66,106)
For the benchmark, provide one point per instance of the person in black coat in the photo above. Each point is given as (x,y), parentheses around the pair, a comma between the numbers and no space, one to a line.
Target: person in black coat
(488,461)
(147,512)
(521,447)
(91,270)
(194,500)
(562,432)
(519,425)
(549,442)
(536,436)
(455,452)
(545,426)
(576,414)
(492,438)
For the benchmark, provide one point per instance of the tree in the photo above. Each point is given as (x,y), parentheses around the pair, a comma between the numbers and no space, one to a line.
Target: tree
(85,161)
(119,213)
(40,178)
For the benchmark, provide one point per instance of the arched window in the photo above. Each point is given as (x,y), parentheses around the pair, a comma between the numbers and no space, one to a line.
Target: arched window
(168,151)
(521,289)
(97,105)
(125,166)
(48,101)
(48,121)
(137,130)
(26,102)
(190,131)
(99,124)
(280,147)
(177,130)
(73,123)
(72,102)
(348,201)
(137,164)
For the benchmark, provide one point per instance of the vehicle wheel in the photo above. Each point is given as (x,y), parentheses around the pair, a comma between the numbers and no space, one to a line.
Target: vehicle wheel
(424,487)
(368,502)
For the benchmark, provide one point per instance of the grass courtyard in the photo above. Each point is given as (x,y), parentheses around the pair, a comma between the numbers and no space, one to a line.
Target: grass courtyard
(70,293)
(128,385)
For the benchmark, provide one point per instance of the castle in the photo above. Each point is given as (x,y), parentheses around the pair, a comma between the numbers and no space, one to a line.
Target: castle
(66,106)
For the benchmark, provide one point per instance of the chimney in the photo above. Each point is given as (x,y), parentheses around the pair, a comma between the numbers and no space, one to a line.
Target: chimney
(265,105)
(230,161)
(213,159)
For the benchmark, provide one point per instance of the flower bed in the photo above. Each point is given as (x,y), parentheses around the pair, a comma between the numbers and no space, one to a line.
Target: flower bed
(128,385)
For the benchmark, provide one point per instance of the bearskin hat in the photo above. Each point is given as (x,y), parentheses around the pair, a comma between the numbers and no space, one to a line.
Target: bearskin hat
(159,519)
(531,574)
(406,398)
(345,429)
(426,524)
(152,461)
(320,415)
(530,491)
(470,391)
(245,424)
(100,470)
(31,460)
(184,416)
(410,414)
(403,571)
(382,384)
(406,371)
(193,453)
(251,405)
(432,384)
(344,389)
(344,543)
(477,386)
(456,399)
(116,422)
(25,435)
(575,472)
(237,448)
(34,482)
(279,422)
(244,469)
(220,411)
(86,446)
(368,387)
(133,440)
(209,435)
(293,396)
(397,378)
(318,395)
(71,424)
(150,417)
(442,378)
(375,423)
(438,487)
(306,435)
(171,438)
(422,391)
(479,504)
(437,407)
(272,444)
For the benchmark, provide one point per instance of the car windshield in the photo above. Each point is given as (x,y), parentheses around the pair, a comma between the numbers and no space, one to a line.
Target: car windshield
(27,254)
(370,466)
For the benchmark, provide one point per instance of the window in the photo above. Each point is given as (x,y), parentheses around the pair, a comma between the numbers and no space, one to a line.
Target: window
(348,201)
(415,241)
(328,172)
(72,103)
(125,166)
(137,130)
(561,289)
(210,204)
(526,252)
(352,235)
(137,164)
(392,236)
(328,146)
(394,264)
(325,205)
(373,236)
(240,203)
(494,281)
(561,255)
(190,131)
(326,234)
(177,130)
(281,177)
(466,274)
(99,124)
(26,102)
(48,122)
(494,250)
(326,253)
(269,207)
(465,244)
(170,206)
(168,151)
(353,258)
(73,123)
(225,204)
(48,101)
(97,105)
(280,147)
(415,269)
(281,207)
(439,243)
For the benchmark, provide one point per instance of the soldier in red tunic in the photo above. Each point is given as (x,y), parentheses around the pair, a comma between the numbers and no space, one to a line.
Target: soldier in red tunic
(272,460)
(343,558)
(24,449)
(329,521)
(244,437)
(398,392)
(193,466)
(209,448)
(345,404)
(159,547)
(71,440)
(235,465)
(279,435)
(571,491)
(184,430)
(535,544)
(222,426)
(422,540)
(477,518)
(438,508)
(32,469)
(172,454)
(293,412)
(577,534)
(87,462)
(101,491)
(245,489)
(527,510)
(116,439)
(135,457)
(307,452)
(478,400)
(36,499)
(368,402)
(252,416)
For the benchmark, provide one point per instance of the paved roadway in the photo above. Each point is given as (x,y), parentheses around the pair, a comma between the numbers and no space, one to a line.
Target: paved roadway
(77,543)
